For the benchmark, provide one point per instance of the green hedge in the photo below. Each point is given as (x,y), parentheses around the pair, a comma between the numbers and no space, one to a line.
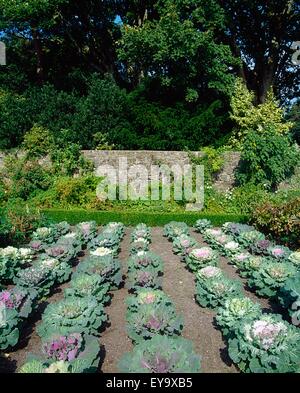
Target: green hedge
(133,218)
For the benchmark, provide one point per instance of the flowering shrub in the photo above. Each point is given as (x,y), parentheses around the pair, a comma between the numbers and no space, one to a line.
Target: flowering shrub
(59,270)
(140,244)
(234,311)
(152,320)
(87,231)
(145,259)
(146,278)
(183,244)
(213,288)
(175,229)
(141,231)
(72,315)
(147,296)
(201,257)
(294,258)
(20,299)
(267,344)
(91,285)
(108,268)
(9,332)
(270,277)
(289,296)
(37,277)
(162,355)
(202,225)
(279,253)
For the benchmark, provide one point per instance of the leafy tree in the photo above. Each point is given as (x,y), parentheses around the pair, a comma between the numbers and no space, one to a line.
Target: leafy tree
(261,33)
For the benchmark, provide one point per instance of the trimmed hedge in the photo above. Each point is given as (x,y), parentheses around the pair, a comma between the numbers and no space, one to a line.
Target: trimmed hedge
(133,218)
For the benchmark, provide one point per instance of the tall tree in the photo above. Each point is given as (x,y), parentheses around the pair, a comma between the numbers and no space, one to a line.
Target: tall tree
(261,33)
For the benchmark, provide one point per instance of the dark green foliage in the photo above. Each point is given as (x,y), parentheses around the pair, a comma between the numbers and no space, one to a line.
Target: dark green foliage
(267,159)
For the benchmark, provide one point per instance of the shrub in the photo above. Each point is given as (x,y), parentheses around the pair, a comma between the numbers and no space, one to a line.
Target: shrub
(266,345)
(282,221)
(38,142)
(267,159)
(161,354)
(152,320)
(234,311)
(72,315)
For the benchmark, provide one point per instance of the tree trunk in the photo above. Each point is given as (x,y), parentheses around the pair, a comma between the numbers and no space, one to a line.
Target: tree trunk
(39,56)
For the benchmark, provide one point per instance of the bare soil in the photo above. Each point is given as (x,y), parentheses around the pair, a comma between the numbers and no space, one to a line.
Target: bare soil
(179,284)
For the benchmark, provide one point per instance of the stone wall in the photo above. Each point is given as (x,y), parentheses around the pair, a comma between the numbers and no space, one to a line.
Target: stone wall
(224,181)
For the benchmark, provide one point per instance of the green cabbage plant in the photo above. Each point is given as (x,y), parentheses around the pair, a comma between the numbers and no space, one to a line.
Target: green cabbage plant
(289,296)
(145,278)
(145,259)
(202,225)
(147,296)
(266,345)
(141,231)
(175,229)
(183,244)
(163,355)
(201,257)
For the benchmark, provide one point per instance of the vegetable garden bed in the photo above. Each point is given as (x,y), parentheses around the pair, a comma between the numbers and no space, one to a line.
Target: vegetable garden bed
(180,279)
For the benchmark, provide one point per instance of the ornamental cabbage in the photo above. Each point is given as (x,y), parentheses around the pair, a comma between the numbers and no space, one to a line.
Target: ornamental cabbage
(175,229)
(210,234)
(9,263)
(62,252)
(294,258)
(289,296)
(59,270)
(91,285)
(20,299)
(141,231)
(37,277)
(110,241)
(108,268)
(201,257)
(102,252)
(202,225)
(146,278)
(147,296)
(140,244)
(117,228)
(87,231)
(213,288)
(266,345)
(161,354)
(279,253)
(72,240)
(250,265)
(60,367)
(234,311)
(183,244)
(270,277)
(45,235)
(151,320)
(239,259)
(261,247)
(231,248)
(248,238)
(144,260)
(72,315)
(9,332)
(62,228)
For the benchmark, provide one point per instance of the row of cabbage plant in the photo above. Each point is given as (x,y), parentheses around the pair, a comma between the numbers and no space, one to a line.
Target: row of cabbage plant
(152,322)
(70,328)
(272,271)
(47,267)
(257,341)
